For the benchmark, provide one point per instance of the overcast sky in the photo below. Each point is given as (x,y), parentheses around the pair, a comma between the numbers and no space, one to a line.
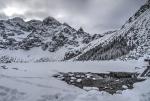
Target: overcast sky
(95,16)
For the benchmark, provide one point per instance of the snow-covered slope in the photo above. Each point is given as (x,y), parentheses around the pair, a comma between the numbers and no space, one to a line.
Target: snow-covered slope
(131,41)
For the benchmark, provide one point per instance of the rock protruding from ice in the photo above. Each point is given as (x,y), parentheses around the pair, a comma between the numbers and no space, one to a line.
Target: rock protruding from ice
(109,82)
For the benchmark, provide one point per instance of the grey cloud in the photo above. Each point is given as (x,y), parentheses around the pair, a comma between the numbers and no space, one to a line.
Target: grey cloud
(96,16)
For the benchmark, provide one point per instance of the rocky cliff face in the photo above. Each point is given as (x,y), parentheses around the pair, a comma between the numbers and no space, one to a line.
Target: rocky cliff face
(48,35)
(18,34)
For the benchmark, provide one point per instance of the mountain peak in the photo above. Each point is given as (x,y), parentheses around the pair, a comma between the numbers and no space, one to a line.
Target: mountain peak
(81,30)
(51,21)
(143,9)
(17,19)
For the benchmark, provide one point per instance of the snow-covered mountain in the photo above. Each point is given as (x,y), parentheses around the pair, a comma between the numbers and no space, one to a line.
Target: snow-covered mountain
(131,41)
(50,40)
(35,40)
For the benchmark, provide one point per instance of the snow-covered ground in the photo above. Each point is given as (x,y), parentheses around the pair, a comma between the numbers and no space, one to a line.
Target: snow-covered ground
(34,82)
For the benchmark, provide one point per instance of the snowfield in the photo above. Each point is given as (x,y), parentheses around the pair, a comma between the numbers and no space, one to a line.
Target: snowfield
(34,82)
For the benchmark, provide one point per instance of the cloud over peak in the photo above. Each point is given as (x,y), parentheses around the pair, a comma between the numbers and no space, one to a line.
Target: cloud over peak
(95,16)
